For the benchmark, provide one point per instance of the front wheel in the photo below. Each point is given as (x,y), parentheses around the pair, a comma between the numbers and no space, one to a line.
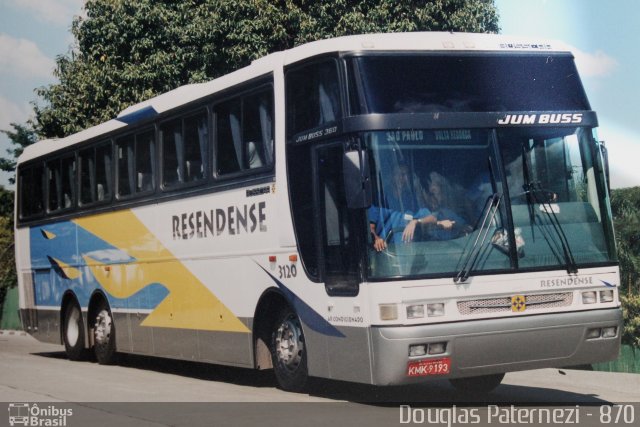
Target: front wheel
(477,385)
(288,352)
(104,334)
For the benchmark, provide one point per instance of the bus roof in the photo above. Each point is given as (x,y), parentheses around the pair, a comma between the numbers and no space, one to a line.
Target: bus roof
(417,41)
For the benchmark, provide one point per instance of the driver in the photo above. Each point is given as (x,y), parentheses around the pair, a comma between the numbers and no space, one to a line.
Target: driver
(404,208)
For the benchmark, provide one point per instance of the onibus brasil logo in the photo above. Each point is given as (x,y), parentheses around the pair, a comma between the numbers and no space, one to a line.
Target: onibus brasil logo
(27,414)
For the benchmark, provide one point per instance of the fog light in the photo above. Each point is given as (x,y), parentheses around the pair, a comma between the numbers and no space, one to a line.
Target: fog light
(593,333)
(437,347)
(435,310)
(415,311)
(388,311)
(609,332)
(417,350)
(589,297)
(606,296)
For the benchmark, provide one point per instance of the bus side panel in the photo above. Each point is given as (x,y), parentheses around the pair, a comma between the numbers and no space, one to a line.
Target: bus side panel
(350,357)
(53,259)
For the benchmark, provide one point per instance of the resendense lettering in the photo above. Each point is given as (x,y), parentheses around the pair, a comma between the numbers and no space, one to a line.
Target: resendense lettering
(233,220)
(568,281)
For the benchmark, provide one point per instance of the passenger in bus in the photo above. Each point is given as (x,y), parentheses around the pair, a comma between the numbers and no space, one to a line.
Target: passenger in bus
(404,208)
(442,200)
(254,159)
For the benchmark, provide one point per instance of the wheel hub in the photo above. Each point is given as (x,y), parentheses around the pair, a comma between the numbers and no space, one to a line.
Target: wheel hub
(289,343)
(103,327)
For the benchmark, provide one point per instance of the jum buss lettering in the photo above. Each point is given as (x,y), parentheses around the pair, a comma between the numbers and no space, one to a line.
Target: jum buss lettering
(233,220)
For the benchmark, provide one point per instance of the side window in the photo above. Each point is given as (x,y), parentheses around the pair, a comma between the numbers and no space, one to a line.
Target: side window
(95,174)
(31,191)
(257,129)
(103,167)
(135,164)
(145,161)
(313,96)
(228,137)
(87,161)
(244,133)
(61,183)
(184,148)
(125,170)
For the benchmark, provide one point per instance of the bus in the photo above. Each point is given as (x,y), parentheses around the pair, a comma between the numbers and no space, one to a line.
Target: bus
(383,209)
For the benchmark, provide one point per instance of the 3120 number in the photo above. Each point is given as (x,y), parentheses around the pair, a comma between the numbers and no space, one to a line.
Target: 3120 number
(287,271)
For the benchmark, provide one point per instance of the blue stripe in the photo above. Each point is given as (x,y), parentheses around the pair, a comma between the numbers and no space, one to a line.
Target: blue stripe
(307,314)
(609,285)
(147,112)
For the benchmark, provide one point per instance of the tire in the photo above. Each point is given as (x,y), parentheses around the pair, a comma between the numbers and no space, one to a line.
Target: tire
(477,386)
(289,352)
(73,332)
(104,335)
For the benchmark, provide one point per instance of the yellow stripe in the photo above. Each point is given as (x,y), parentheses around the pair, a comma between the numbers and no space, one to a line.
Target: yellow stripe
(49,235)
(71,272)
(189,305)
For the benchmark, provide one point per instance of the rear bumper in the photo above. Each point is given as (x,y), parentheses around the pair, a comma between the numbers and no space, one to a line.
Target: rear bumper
(497,345)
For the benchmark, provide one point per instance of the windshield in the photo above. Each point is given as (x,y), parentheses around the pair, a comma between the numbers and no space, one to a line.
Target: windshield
(477,200)
(465,83)
(556,193)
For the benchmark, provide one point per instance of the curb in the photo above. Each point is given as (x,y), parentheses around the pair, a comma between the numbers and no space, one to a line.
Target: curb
(12,332)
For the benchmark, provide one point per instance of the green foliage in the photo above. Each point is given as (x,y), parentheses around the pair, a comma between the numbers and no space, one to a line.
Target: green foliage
(625,206)
(130,50)
(631,315)
(7,258)
(20,137)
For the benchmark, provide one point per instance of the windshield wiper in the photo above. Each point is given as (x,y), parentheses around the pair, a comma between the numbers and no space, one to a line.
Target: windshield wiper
(488,216)
(532,191)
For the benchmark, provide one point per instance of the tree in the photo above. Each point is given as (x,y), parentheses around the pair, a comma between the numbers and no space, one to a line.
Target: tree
(20,137)
(130,50)
(126,51)
(7,260)
(625,206)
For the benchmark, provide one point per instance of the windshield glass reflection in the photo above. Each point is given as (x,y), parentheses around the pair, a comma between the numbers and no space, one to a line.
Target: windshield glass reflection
(440,204)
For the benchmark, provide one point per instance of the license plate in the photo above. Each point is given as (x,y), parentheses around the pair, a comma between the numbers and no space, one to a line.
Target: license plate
(422,368)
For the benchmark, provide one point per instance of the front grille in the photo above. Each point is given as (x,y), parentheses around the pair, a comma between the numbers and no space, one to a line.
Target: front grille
(503,304)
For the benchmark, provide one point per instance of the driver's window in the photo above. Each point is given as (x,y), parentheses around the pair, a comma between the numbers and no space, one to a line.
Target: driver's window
(338,225)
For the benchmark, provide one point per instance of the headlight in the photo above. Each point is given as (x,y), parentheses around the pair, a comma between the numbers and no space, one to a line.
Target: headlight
(417,350)
(415,311)
(593,333)
(437,347)
(606,296)
(388,311)
(589,297)
(435,309)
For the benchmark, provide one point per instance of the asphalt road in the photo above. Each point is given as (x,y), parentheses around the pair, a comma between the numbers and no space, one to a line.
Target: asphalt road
(151,391)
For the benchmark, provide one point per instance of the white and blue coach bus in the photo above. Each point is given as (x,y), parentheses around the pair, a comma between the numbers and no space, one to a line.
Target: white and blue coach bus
(382,209)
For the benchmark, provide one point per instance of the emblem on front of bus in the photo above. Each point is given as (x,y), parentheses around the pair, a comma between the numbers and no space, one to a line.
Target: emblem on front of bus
(518,303)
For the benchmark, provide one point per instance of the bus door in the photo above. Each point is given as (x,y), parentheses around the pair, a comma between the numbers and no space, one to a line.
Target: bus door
(338,226)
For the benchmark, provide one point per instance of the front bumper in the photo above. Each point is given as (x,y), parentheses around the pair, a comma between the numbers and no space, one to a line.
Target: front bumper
(492,346)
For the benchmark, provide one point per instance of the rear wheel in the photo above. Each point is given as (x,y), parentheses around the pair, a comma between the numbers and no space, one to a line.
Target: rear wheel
(104,334)
(477,385)
(73,332)
(288,352)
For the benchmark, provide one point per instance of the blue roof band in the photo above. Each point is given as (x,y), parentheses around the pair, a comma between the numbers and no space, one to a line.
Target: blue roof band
(138,116)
